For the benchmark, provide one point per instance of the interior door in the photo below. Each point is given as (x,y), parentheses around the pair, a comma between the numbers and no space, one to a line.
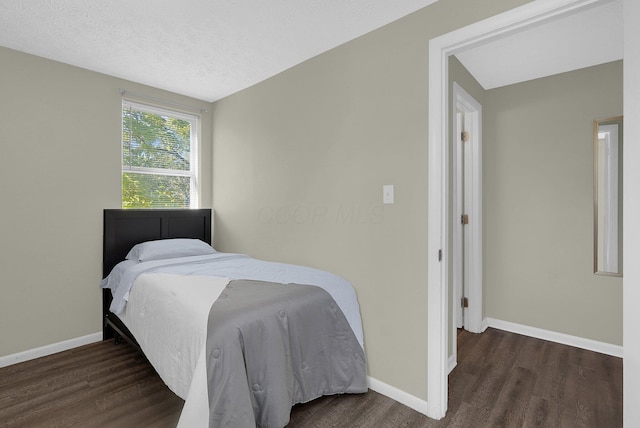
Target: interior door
(462,244)
(467,301)
(459,273)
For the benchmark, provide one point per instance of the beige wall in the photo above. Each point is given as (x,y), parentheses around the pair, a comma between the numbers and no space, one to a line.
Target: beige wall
(60,133)
(538,204)
(299,164)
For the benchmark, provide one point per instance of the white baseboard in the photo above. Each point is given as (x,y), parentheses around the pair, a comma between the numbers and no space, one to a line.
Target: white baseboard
(485,325)
(552,336)
(54,348)
(452,363)
(400,396)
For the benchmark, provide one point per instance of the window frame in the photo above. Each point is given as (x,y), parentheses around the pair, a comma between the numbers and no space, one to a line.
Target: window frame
(194,150)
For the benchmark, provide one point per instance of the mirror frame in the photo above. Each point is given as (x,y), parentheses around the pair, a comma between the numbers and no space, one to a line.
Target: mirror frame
(598,197)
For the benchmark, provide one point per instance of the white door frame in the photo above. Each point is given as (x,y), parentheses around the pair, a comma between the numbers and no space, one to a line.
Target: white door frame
(471,190)
(440,48)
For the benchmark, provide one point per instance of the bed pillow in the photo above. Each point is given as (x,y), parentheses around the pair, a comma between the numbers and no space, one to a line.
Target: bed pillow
(169,249)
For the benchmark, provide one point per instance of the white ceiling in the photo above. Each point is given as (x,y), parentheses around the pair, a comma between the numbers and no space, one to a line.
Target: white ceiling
(206,49)
(209,49)
(589,38)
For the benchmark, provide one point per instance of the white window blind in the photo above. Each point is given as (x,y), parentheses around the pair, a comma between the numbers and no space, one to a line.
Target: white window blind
(159,157)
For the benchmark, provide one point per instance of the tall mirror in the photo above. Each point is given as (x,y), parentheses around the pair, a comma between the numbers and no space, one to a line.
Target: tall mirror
(607,189)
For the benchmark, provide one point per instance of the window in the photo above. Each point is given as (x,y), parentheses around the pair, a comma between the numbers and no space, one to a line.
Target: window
(159,157)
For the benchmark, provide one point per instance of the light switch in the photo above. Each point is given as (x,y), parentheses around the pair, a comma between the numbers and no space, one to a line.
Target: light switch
(387,194)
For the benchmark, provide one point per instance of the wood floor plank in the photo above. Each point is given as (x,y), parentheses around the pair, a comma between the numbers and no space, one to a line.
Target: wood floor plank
(552,372)
(502,379)
(514,399)
(494,374)
(568,407)
(459,386)
(608,409)
(531,354)
(361,410)
(538,413)
(583,358)
(465,415)
(586,397)
(473,352)
(305,412)
(378,409)
(398,416)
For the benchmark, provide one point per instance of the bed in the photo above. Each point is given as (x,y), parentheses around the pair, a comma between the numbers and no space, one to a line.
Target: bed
(241,340)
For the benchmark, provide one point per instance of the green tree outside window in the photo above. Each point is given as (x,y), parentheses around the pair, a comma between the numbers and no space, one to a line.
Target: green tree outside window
(158,162)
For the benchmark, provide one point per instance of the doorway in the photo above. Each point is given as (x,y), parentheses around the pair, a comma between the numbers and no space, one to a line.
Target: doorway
(438,263)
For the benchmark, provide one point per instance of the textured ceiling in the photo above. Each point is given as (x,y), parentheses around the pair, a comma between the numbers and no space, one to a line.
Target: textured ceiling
(206,49)
(591,37)
(209,49)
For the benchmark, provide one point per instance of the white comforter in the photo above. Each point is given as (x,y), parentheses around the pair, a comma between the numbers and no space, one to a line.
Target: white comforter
(237,266)
(168,312)
(168,315)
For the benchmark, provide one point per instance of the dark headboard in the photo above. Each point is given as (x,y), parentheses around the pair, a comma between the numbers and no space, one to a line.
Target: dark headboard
(125,228)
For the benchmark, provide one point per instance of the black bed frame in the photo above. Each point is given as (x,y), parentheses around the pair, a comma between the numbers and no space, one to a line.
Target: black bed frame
(125,228)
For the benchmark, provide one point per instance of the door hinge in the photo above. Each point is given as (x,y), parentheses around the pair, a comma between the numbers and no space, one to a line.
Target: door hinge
(464,302)
(439,255)
(464,136)
(464,219)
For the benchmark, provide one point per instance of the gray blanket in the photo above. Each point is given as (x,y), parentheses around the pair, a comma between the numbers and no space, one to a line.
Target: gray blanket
(270,346)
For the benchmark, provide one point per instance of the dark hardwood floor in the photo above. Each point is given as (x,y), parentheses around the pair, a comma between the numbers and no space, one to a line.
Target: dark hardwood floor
(502,380)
